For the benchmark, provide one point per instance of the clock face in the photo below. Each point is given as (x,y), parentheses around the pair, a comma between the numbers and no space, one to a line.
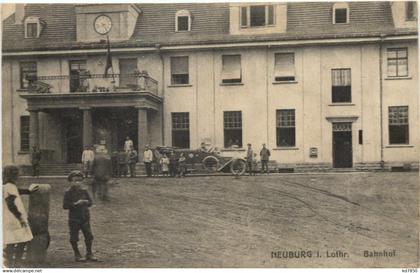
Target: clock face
(102,24)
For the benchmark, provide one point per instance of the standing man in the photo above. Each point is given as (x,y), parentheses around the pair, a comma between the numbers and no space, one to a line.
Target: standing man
(147,159)
(250,159)
(128,144)
(132,160)
(87,159)
(36,159)
(101,170)
(265,157)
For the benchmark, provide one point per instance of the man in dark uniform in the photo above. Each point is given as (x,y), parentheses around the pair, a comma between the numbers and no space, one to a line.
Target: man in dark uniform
(101,169)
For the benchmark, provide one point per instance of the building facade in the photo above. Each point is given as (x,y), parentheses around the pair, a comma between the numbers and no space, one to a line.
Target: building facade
(324,85)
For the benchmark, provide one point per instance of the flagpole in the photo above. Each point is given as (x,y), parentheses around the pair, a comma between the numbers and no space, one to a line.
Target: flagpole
(109,52)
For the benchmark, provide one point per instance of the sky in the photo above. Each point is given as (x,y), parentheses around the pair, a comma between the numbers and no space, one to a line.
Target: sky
(6,10)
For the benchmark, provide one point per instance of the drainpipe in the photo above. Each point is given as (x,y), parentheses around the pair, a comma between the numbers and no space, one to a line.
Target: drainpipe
(159,52)
(381,100)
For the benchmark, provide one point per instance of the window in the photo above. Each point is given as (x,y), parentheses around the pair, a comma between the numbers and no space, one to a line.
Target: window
(28,74)
(183,21)
(398,125)
(284,67)
(33,27)
(232,123)
(397,62)
(286,130)
(181,130)
(127,72)
(341,13)
(411,11)
(179,70)
(231,69)
(78,79)
(341,85)
(24,133)
(257,16)
(31,30)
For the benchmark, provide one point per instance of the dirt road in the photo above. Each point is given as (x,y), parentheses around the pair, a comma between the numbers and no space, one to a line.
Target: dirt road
(249,222)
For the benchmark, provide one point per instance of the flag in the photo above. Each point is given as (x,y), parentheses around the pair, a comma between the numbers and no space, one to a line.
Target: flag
(108,60)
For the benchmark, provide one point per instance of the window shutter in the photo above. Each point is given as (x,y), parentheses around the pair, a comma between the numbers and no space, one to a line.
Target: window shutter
(231,67)
(244,17)
(179,65)
(284,64)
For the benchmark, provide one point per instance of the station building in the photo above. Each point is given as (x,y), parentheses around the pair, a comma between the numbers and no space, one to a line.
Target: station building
(324,85)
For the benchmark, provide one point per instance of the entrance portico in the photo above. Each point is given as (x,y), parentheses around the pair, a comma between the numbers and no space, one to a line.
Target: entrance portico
(89,119)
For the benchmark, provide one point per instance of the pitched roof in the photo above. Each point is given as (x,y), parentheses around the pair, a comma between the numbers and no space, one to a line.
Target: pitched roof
(156,24)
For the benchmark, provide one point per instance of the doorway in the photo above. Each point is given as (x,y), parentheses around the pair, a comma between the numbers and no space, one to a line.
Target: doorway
(342,145)
(74,141)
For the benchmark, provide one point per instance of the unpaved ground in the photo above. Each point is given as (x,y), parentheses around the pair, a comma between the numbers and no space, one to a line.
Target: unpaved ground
(227,222)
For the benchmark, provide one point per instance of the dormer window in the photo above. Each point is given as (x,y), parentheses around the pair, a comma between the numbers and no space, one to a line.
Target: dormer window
(341,13)
(183,21)
(33,27)
(411,11)
(257,16)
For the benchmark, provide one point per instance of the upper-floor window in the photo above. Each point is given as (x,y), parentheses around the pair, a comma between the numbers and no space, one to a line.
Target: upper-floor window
(128,68)
(411,11)
(398,125)
(341,13)
(33,27)
(341,85)
(28,74)
(284,67)
(231,69)
(179,70)
(183,20)
(78,76)
(257,16)
(397,60)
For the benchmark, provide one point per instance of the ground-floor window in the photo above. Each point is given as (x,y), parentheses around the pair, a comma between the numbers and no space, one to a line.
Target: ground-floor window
(286,130)
(398,125)
(232,124)
(181,130)
(24,133)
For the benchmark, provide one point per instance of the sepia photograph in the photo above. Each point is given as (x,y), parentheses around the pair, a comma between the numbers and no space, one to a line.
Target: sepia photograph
(210,135)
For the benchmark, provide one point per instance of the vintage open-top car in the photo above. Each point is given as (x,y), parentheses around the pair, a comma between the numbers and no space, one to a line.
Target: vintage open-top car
(206,160)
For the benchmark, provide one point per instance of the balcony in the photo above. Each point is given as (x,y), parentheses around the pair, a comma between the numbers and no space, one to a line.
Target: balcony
(83,89)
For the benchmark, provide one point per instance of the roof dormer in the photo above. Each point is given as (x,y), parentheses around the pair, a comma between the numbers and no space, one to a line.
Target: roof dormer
(404,14)
(182,21)
(97,21)
(258,18)
(33,27)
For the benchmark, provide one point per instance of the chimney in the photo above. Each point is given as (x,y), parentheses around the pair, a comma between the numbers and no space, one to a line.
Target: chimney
(19,13)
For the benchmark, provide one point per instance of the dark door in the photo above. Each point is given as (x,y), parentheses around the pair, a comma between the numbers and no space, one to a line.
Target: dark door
(342,149)
(74,142)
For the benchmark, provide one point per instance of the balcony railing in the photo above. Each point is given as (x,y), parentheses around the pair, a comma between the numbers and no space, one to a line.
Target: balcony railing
(84,82)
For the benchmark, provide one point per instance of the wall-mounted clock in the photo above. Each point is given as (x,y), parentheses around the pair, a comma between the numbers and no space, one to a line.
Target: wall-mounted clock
(102,24)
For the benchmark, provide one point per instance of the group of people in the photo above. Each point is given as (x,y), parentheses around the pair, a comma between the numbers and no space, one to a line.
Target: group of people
(16,229)
(171,165)
(123,163)
(251,160)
